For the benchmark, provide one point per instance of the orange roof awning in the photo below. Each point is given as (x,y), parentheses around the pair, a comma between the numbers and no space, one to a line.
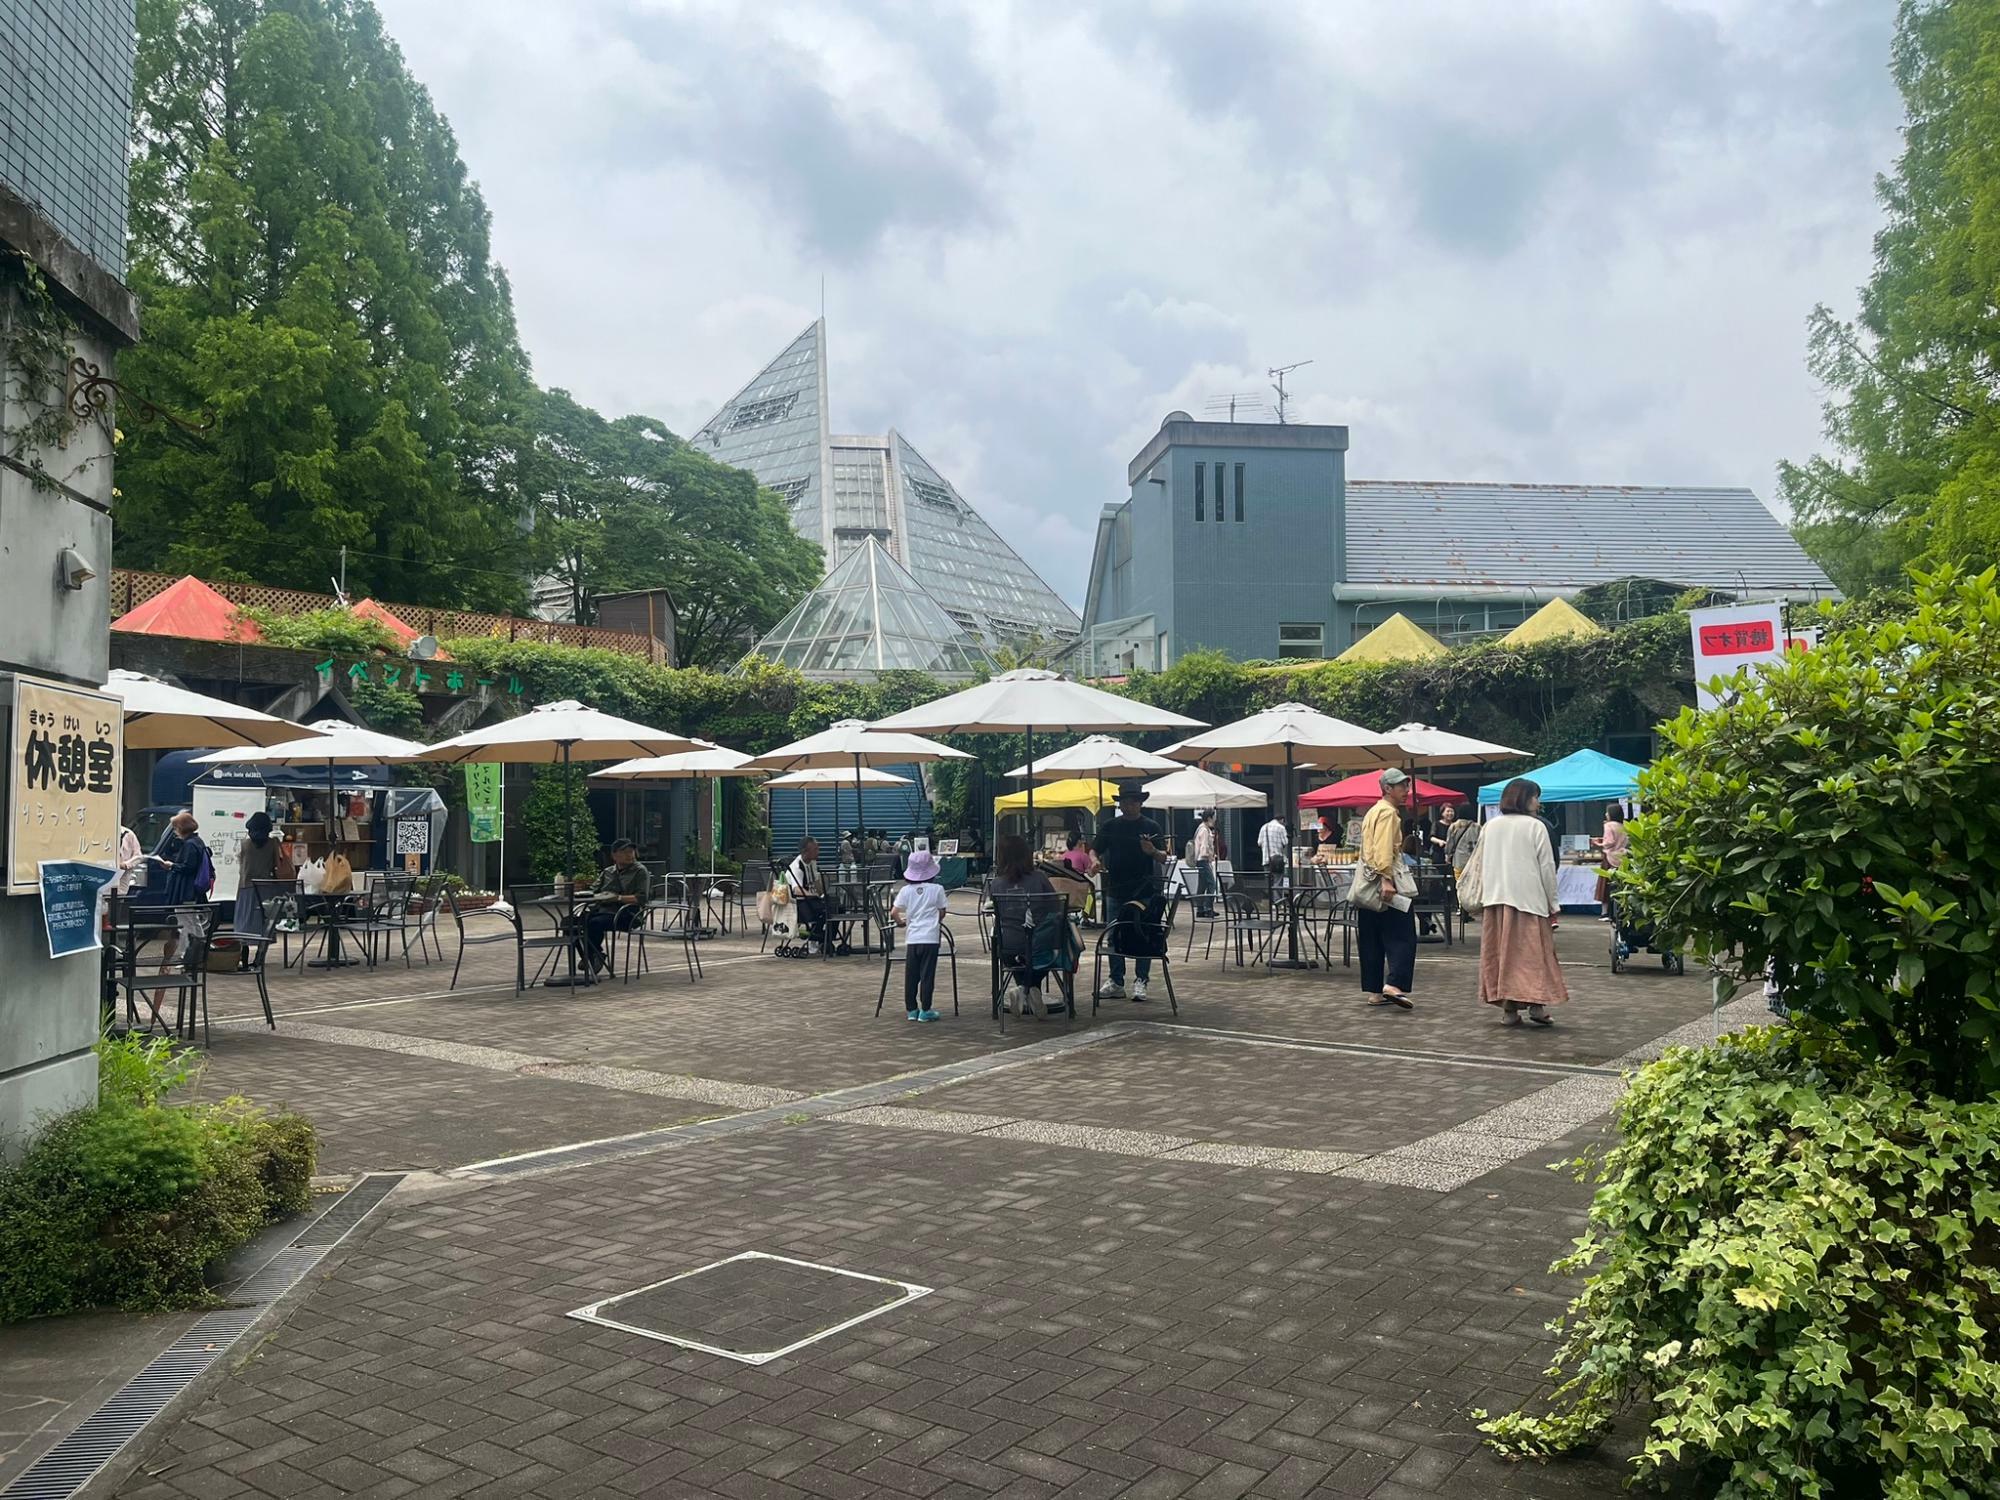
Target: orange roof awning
(381,614)
(191,610)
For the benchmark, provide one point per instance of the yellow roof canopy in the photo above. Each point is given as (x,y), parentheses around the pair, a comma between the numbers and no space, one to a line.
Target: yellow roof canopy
(1397,638)
(1555,621)
(1056,796)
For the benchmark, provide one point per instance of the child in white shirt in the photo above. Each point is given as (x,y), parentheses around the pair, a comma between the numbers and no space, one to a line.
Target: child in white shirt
(920,908)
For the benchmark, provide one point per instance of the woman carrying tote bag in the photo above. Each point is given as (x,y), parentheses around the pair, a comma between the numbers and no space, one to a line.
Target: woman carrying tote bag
(1516,891)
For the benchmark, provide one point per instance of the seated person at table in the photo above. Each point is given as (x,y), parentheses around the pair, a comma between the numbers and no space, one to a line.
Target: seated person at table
(808,890)
(615,901)
(1014,874)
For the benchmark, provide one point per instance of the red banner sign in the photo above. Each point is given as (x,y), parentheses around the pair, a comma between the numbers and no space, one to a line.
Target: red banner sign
(1745,638)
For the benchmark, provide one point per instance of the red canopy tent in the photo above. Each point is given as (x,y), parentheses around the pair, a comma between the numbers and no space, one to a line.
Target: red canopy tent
(1365,790)
(381,614)
(191,610)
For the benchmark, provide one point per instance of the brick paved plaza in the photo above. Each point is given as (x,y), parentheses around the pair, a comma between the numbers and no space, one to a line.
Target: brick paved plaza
(1281,1246)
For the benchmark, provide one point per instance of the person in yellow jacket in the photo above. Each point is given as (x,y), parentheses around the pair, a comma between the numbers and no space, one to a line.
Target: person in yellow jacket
(1387,938)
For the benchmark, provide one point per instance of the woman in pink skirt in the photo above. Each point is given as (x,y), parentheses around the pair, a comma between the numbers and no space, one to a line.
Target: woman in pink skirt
(1517,883)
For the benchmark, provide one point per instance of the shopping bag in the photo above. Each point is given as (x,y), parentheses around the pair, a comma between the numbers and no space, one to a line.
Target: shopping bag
(1471,899)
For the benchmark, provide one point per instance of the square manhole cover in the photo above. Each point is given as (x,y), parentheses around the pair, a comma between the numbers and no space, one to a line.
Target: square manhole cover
(751,1307)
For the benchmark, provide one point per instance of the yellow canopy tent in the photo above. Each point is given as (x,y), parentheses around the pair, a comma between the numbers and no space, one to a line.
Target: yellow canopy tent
(1397,638)
(1555,621)
(1083,792)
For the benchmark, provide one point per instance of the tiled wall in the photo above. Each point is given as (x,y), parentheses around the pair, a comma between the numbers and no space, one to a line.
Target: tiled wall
(65,113)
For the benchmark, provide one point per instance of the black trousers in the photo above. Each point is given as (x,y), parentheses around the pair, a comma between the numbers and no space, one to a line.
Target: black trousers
(919,976)
(812,918)
(597,923)
(1388,943)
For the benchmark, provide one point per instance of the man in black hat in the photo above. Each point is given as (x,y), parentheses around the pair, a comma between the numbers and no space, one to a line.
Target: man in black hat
(1129,849)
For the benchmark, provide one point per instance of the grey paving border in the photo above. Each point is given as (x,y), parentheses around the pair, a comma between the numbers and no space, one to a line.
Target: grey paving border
(532,1065)
(96,1442)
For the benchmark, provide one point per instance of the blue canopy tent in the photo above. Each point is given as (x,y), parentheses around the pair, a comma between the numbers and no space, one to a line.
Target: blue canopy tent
(1587,776)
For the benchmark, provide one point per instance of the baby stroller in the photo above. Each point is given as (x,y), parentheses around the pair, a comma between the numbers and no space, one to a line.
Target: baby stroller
(779,915)
(1632,932)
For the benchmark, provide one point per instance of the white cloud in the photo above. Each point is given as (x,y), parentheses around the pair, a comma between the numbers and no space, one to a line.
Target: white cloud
(1553,240)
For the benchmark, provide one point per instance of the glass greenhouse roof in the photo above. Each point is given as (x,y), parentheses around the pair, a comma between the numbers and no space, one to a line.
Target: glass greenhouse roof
(869,615)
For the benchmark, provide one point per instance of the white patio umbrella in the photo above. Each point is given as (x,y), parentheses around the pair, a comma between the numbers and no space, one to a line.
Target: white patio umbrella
(1192,787)
(161,716)
(1276,737)
(709,763)
(835,777)
(1096,755)
(1021,701)
(330,742)
(1424,746)
(853,743)
(555,734)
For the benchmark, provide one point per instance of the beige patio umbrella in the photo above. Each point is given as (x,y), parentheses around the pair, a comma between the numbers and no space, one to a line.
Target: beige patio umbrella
(855,744)
(709,763)
(161,716)
(1027,699)
(1424,746)
(1276,737)
(836,778)
(328,742)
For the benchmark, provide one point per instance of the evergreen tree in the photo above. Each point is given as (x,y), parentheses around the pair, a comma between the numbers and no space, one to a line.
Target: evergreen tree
(1915,414)
(625,504)
(314,266)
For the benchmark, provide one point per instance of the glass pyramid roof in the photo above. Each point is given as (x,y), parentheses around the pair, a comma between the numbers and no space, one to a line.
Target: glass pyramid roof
(869,615)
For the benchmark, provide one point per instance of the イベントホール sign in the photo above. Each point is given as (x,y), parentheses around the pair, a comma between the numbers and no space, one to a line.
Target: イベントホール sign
(1733,637)
(68,761)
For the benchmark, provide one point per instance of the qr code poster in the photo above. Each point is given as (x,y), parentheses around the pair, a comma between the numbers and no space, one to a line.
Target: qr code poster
(413,835)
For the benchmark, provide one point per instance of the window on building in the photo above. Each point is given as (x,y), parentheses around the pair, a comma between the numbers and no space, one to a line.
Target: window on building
(1220,515)
(1239,492)
(1302,640)
(1200,503)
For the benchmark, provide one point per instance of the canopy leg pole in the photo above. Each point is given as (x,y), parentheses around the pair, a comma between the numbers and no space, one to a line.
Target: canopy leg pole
(1033,832)
(861,852)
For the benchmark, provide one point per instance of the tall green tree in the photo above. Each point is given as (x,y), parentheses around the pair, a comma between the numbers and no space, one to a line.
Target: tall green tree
(625,504)
(1914,415)
(315,271)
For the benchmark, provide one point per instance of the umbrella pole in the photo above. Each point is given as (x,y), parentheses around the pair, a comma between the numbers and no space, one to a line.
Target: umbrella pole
(1291,959)
(861,851)
(1033,832)
(569,857)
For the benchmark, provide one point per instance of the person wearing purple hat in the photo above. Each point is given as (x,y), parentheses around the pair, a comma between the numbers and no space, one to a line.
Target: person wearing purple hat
(920,908)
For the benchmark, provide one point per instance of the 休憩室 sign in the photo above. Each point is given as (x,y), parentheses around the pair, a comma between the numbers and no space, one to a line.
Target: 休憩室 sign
(68,759)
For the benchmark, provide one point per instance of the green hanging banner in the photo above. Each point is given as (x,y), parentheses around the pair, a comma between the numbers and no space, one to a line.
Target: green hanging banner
(482,801)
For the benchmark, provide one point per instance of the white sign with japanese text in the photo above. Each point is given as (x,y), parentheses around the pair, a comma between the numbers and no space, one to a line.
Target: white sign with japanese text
(1729,639)
(68,763)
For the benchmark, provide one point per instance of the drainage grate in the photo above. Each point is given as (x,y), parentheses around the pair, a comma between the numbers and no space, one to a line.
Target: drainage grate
(331,1227)
(752,1307)
(94,1442)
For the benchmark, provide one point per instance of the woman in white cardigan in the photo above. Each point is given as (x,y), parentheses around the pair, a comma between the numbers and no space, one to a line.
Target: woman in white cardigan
(1517,883)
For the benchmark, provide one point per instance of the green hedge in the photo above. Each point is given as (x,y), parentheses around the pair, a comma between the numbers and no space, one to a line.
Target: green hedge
(1795,1256)
(127,1204)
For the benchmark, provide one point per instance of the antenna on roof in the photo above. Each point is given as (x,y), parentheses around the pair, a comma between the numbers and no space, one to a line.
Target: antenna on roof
(1279,375)
(1215,406)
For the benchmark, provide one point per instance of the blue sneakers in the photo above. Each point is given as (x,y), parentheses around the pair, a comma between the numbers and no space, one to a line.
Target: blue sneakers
(927,1015)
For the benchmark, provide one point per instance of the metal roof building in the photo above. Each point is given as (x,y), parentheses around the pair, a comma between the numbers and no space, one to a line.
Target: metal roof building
(1249,538)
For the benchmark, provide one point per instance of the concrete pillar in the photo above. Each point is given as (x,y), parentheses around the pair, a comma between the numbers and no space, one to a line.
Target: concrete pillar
(55,493)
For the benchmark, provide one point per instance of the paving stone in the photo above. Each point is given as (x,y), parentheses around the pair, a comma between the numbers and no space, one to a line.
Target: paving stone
(943,1122)
(1092,1138)
(1327,1162)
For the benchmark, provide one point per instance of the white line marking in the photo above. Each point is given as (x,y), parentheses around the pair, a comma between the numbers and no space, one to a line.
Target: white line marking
(593,1313)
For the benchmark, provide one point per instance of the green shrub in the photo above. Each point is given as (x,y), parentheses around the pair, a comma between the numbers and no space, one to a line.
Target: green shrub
(1797,1258)
(139,1069)
(128,1204)
(331,629)
(388,710)
(1836,821)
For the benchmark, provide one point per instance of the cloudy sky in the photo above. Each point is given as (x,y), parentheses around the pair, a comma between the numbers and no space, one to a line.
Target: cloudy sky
(1544,240)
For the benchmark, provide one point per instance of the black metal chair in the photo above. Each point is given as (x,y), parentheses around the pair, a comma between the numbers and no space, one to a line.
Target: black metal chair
(660,920)
(883,895)
(1133,933)
(1017,917)
(184,975)
(756,878)
(420,923)
(544,918)
(379,914)
(280,910)
(1437,898)
(469,936)
(253,948)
